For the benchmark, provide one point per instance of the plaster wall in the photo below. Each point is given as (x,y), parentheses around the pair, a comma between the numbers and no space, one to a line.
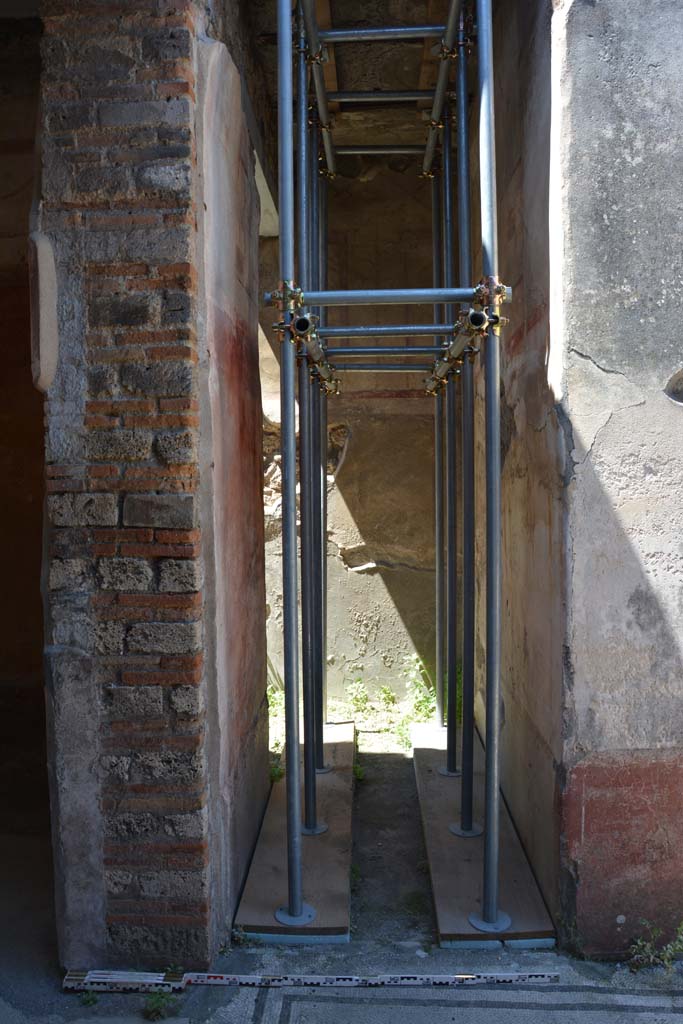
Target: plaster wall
(617,278)
(231,476)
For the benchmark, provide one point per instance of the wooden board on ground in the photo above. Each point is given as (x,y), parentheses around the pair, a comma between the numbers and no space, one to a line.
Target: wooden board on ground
(326,858)
(456,864)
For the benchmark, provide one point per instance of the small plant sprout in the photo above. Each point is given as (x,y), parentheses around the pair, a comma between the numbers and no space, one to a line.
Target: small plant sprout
(158,1006)
(358,696)
(648,950)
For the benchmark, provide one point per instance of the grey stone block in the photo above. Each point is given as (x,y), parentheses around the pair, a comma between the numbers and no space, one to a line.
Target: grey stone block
(165,638)
(165,511)
(125,574)
(180,575)
(166,45)
(193,825)
(108,637)
(176,307)
(83,509)
(185,885)
(170,379)
(138,943)
(119,445)
(118,114)
(135,701)
(152,245)
(176,447)
(118,310)
(166,178)
(187,701)
(118,881)
(102,381)
(69,574)
(177,767)
(131,826)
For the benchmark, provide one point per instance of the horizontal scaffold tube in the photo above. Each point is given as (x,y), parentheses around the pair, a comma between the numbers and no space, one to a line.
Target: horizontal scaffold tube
(379,96)
(372,35)
(385,350)
(386,331)
(384,297)
(397,150)
(382,367)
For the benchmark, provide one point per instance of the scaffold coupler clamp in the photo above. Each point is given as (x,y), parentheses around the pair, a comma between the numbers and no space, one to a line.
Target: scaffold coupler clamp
(288,298)
(447,52)
(489,294)
(321,56)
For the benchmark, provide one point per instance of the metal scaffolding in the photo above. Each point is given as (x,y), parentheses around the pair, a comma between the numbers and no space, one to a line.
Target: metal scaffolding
(466,319)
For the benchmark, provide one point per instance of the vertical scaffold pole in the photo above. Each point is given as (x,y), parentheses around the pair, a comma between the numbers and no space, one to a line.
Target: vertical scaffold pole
(451,767)
(307,450)
(491,918)
(319,233)
(316,408)
(296,912)
(437,261)
(466,827)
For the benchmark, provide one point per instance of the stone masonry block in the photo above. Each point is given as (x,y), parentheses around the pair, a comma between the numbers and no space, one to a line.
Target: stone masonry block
(135,702)
(179,576)
(174,766)
(104,180)
(118,881)
(83,509)
(108,637)
(164,45)
(102,381)
(149,245)
(165,638)
(131,826)
(118,310)
(177,447)
(163,378)
(166,511)
(187,826)
(121,114)
(125,574)
(69,574)
(187,701)
(184,885)
(170,179)
(163,944)
(176,307)
(119,445)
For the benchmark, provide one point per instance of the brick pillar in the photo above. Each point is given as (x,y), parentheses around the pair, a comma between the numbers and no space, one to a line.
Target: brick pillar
(130,768)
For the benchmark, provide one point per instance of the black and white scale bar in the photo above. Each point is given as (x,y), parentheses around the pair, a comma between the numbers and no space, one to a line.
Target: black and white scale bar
(137,981)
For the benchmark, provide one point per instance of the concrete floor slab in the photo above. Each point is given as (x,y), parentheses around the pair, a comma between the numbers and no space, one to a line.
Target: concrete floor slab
(326,857)
(456,863)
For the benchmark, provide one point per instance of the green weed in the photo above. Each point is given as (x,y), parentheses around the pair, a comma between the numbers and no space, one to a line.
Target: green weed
(276,770)
(387,698)
(88,999)
(359,697)
(648,951)
(158,1006)
(358,772)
